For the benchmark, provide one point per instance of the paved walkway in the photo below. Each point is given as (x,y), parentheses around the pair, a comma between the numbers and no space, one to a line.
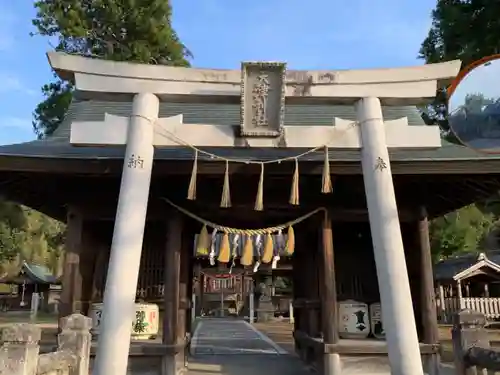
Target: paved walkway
(231,336)
(234,347)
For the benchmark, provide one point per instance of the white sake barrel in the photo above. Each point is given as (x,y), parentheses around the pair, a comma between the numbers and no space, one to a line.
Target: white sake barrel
(354,320)
(376,323)
(144,323)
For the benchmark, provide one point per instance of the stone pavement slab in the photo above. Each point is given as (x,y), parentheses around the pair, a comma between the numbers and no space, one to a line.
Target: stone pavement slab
(234,347)
(257,364)
(231,336)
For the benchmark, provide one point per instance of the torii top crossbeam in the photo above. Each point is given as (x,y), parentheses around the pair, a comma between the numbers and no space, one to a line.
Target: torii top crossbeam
(395,86)
(262,103)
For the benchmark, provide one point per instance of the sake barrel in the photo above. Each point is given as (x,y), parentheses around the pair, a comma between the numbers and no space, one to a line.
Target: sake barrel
(354,319)
(376,323)
(144,322)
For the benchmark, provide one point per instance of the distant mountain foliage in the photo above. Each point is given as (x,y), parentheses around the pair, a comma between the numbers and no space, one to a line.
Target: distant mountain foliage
(28,235)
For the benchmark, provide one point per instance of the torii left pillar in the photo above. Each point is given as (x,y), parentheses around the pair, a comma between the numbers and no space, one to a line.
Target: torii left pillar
(121,284)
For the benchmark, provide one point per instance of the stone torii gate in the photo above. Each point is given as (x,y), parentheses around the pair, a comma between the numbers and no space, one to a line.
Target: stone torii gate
(264,88)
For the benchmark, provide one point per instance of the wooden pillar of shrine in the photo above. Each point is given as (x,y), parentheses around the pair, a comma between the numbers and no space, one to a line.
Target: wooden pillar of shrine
(79,263)
(311,265)
(329,308)
(428,299)
(100,270)
(173,361)
(185,285)
(298,295)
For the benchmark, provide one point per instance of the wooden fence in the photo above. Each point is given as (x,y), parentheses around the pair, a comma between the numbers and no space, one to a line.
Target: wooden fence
(490,307)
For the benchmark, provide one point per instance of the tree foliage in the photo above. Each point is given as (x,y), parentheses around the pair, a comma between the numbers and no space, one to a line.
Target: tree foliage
(28,235)
(462,231)
(461,29)
(120,30)
(51,111)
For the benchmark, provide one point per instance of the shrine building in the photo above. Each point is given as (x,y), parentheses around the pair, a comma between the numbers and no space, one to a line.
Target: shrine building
(293,170)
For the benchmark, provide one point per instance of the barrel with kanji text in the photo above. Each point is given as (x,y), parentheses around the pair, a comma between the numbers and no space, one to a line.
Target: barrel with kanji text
(144,322)
(354,320)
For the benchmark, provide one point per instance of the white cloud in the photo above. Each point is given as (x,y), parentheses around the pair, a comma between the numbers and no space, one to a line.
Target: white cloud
(10,83)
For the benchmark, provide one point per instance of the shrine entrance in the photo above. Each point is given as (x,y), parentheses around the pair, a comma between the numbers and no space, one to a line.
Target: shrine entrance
(222,293)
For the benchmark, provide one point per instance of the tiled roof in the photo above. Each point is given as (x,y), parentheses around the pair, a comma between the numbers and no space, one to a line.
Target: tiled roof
(446,269)
(33,272)
(225,114)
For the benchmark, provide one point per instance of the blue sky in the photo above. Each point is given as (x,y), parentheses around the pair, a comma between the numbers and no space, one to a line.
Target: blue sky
(317,34)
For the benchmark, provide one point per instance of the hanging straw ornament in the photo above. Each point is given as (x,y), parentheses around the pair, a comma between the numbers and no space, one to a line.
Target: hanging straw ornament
(259,246)
(267,254)
(290,241)
(225,201)
(294,193)
(326,179)
(235,243)
(203,242)
(276,259)
(279,247)
(192,182)
(247,254)
(259,200)
(225,249)
(211,256)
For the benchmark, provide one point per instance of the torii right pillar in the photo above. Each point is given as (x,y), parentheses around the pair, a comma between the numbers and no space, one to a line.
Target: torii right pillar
(394,284)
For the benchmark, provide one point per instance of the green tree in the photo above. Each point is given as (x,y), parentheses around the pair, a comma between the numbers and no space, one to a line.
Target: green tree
(120,30)
(28,235)
(462,231)
(461,29)
(13,225)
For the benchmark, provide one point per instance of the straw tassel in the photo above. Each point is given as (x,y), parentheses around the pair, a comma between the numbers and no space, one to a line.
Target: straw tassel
(225,201)
(267,255)
(259,201)
(211,255)
(192,182)
(225,249)
(247,255)
(203,242)
(290,241)
(294,194)
(327,179)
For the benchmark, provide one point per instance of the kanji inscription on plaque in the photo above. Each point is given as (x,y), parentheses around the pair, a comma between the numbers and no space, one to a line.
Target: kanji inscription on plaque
(262,98)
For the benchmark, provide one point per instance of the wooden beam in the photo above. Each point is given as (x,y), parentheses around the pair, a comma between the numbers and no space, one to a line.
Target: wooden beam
(171,363)
(428,293)
(329,308)
(88,260)
(72,281)
(173,165)
(184,293)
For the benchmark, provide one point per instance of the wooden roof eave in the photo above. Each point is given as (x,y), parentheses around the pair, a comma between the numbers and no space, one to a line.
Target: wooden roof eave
(65,158)
(482,262)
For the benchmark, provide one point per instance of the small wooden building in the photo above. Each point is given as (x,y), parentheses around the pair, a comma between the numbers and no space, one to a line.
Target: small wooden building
(80,185)
(29,279)
(468,282)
